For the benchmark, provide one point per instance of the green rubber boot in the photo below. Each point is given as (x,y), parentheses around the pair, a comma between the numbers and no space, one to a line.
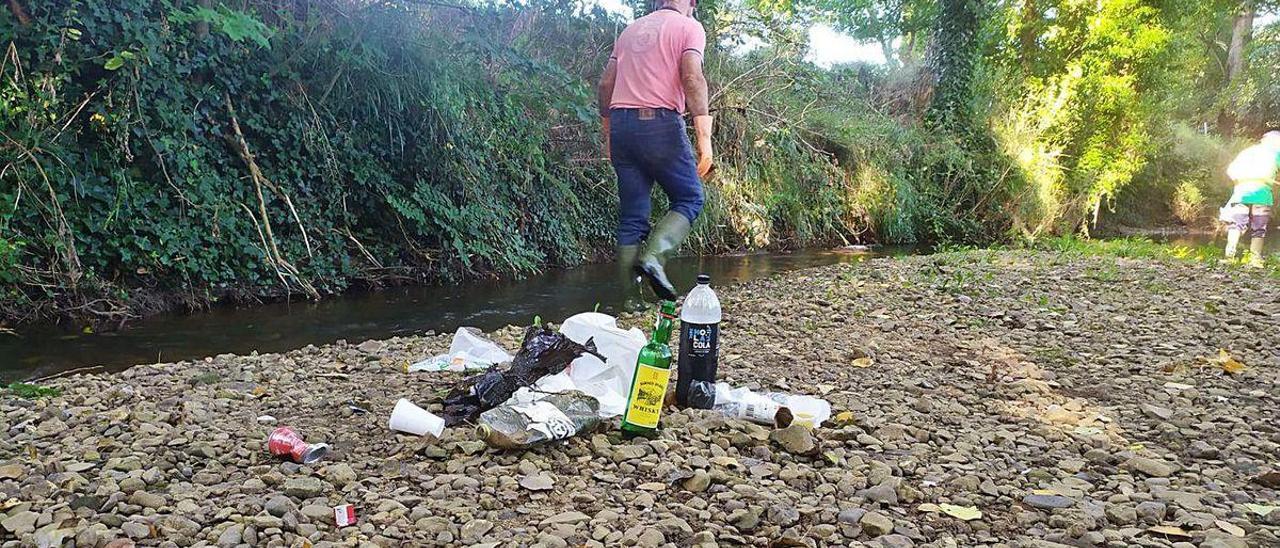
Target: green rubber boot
(1257,253)
(628,281)
(663,244)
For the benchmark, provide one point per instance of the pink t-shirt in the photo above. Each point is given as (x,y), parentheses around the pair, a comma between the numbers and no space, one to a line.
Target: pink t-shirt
(648,54)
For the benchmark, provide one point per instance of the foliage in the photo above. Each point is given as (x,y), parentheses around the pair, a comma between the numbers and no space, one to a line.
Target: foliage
(1079,123)
(157,154)
(1183,183)
(31,391)
(1146,248)
(301,152)
(393,144)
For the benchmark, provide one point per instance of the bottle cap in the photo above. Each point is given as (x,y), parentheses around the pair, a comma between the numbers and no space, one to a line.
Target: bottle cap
(704,279)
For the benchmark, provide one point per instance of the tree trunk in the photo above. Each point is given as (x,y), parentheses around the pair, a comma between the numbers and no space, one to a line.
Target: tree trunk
(19,13)
(907,52)
(1028,34)
(202,26)
(1241,32)
(890,55)
(952,59)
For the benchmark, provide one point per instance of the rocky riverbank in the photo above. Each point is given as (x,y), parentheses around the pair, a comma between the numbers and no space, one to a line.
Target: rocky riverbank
(1077,401)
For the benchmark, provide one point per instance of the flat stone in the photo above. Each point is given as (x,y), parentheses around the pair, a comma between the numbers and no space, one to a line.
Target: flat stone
(1048,502)
(136,530)
(876,524)
(124,464)
(539,482)
(885,493)
(372,347)
(698,482)
(851,517)
(12,471)
(571,517)
(340,474)
(651,538)
(1221,539)
(895,541)
(315,512)
(231,536)
(1156,411)
(1151,512)
(304,487)
(146,500)
(1150,467)
(476,529)
(20,523)
(795,439)
(279,505)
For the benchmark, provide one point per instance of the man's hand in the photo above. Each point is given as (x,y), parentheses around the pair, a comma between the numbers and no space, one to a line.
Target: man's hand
(608,151)
(702,126)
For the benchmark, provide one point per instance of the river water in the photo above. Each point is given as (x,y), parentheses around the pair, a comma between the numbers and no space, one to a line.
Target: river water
(553,295)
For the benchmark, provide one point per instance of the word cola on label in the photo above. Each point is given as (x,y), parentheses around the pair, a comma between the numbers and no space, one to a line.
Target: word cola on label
(699,347)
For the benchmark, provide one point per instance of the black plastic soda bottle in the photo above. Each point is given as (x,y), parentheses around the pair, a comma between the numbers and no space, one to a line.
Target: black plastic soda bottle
(699,347)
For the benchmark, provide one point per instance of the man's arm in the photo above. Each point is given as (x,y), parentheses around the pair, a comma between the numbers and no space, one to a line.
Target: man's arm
(697,100)
(695,84)
(604,96)
(604,91)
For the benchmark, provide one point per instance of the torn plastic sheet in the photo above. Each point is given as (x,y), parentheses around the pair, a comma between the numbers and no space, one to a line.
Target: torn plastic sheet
(469,351)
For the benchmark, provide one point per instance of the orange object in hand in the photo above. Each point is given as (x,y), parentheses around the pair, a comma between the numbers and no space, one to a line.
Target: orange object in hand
(702,127)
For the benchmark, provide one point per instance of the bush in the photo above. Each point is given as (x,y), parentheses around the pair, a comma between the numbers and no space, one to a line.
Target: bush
(1183,183)
(1188,203)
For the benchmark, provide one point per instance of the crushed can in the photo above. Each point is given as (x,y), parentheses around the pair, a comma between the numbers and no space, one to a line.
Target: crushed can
(285,442)
(344,515)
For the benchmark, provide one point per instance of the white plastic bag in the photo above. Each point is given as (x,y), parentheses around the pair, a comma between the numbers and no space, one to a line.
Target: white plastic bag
(469,351)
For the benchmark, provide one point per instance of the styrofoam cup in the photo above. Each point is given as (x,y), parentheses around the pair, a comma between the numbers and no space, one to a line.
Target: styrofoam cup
(407,417)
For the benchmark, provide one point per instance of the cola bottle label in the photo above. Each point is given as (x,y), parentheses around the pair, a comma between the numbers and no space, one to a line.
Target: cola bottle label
(699,353)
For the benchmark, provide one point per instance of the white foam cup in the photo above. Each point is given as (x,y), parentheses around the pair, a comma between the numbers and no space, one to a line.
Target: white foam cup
(407,417)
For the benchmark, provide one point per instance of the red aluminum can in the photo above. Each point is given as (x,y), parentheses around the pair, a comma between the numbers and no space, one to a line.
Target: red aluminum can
(284,442)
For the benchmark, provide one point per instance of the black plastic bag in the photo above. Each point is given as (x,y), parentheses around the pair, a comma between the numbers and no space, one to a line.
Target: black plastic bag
(543,352)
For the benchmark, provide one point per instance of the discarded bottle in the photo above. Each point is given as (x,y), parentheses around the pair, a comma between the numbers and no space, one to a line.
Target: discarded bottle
(524,425)
(653,373)
(699,347)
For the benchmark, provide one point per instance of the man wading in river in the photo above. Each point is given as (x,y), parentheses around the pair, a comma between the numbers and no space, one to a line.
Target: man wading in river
(655,71)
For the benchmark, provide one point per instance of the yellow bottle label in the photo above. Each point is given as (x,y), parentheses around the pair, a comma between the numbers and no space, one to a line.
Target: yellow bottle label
(647,394)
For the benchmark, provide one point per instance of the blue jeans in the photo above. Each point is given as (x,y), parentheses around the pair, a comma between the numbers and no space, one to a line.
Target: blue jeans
(650,145)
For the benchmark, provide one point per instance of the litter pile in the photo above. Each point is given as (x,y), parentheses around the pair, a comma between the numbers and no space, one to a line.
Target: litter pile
(565,383)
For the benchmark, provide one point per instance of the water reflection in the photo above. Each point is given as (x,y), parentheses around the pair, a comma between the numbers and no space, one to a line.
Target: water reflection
(278,327)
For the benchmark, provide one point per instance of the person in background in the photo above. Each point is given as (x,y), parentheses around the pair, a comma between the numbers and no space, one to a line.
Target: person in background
(653,75)
(1249,209)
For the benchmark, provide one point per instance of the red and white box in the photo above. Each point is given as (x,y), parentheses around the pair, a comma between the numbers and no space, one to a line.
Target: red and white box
(344,515)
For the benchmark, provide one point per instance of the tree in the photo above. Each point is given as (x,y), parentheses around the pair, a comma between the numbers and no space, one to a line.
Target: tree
(893,24)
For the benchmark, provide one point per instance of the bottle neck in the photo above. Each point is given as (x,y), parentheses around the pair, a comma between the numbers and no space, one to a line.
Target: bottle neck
(662,331)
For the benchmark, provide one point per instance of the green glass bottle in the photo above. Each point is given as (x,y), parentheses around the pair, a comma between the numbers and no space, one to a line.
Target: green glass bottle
(649,384)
